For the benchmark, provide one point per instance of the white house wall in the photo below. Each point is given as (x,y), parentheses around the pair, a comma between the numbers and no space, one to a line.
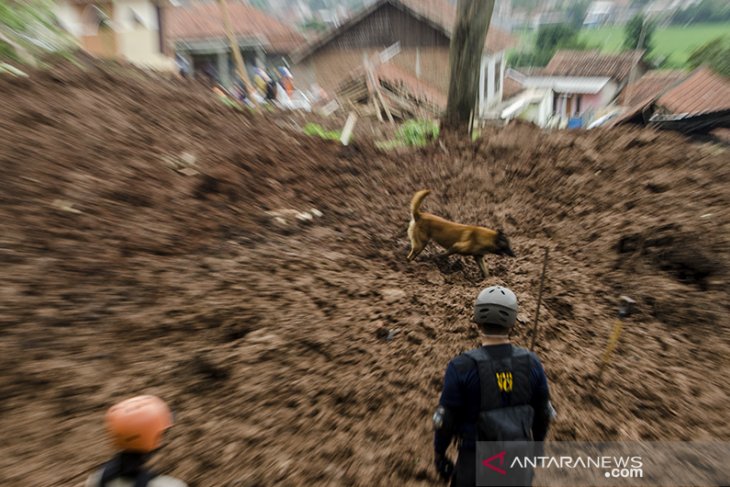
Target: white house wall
(489,94)
(144,10)
(137,42)
(69,18)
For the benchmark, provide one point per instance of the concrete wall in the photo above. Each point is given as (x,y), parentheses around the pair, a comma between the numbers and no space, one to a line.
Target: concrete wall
(330,66)
(137,25)
(134,35)
(69,17)
(491,82)
(591,104)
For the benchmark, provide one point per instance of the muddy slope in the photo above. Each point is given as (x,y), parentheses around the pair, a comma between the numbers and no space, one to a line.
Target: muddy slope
(140,254)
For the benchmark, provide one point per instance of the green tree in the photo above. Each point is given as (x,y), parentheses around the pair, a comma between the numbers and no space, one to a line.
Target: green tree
(549,39)
(552,37)
(715,54)
(639,33)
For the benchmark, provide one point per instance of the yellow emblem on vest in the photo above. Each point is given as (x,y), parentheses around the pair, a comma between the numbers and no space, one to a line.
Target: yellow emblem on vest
(504,381)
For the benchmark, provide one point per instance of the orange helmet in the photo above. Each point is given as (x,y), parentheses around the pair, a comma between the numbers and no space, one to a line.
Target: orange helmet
(137,424)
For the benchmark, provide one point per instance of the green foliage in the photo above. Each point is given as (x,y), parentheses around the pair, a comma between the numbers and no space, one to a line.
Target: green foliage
(230,103)
(7,52)
(715,54)
(549,39)
(560,36)
(529,58)
(418,132)
(704,11)
(314,25)
(29,27)
(412,133)
(316,130)
(639,34)
(672,44)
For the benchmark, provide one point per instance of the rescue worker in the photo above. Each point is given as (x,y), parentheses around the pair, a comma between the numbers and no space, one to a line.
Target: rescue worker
(136,427)
(261,80)
(287,80)
(497,392)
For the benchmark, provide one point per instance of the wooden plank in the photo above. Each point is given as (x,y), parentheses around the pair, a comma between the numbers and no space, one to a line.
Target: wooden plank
(240,67)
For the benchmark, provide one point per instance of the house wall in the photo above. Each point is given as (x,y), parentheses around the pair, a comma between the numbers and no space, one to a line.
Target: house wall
(328,67)
(69,16)
(491,82)
(137,42)
(424,51)
(593,103)
(386,26)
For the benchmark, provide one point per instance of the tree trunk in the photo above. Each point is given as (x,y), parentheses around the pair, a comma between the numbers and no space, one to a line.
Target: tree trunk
(465,57)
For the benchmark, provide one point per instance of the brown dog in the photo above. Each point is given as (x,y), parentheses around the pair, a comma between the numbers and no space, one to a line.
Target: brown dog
(454,237)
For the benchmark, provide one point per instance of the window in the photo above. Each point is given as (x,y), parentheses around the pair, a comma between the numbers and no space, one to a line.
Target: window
(497,76)
(135,19)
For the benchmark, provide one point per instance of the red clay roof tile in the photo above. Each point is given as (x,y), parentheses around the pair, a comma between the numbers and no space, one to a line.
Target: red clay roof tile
(204,21)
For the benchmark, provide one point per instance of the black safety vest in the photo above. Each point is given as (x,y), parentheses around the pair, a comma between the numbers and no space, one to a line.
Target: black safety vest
(505,413)
(111,471)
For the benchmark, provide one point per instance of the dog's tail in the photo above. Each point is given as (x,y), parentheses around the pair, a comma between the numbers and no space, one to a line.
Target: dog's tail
(416,203)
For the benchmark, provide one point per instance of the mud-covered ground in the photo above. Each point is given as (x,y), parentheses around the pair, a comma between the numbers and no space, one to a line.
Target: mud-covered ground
(142,253)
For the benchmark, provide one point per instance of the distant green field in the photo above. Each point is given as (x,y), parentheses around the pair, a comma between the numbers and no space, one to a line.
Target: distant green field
(673,41)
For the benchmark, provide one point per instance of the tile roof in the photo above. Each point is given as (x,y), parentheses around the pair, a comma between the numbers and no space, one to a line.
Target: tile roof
(204,21)
(704,91)
(650,86)
(439,13)
(593,64)
(511,88)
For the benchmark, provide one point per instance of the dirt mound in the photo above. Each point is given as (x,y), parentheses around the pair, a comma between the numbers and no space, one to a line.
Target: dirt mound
(155,241)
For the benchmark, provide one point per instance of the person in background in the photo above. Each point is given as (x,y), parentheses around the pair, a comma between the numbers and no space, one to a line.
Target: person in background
(136,427)
(287,80)
(261,80)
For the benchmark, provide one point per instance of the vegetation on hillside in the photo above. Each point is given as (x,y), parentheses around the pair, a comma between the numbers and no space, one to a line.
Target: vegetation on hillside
(549,39)
(715,54)
(29,28)
(639,34)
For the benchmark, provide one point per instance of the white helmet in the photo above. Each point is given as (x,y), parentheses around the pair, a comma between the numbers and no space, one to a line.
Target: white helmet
(496,306)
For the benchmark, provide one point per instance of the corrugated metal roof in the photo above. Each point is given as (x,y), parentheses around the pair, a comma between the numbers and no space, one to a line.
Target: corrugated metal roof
(704,91)
(593,64)
(568,84)
(205,21)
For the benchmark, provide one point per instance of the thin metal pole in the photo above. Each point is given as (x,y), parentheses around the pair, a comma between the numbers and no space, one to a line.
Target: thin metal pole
(539,301)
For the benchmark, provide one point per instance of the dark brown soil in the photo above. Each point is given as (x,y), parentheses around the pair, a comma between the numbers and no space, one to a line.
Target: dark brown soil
(140,255)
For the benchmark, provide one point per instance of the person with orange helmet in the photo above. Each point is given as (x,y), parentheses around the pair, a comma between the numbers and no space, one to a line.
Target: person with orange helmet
(136,427)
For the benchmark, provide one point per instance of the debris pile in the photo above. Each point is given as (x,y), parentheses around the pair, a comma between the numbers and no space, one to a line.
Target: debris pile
(312,353)
(389,93)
